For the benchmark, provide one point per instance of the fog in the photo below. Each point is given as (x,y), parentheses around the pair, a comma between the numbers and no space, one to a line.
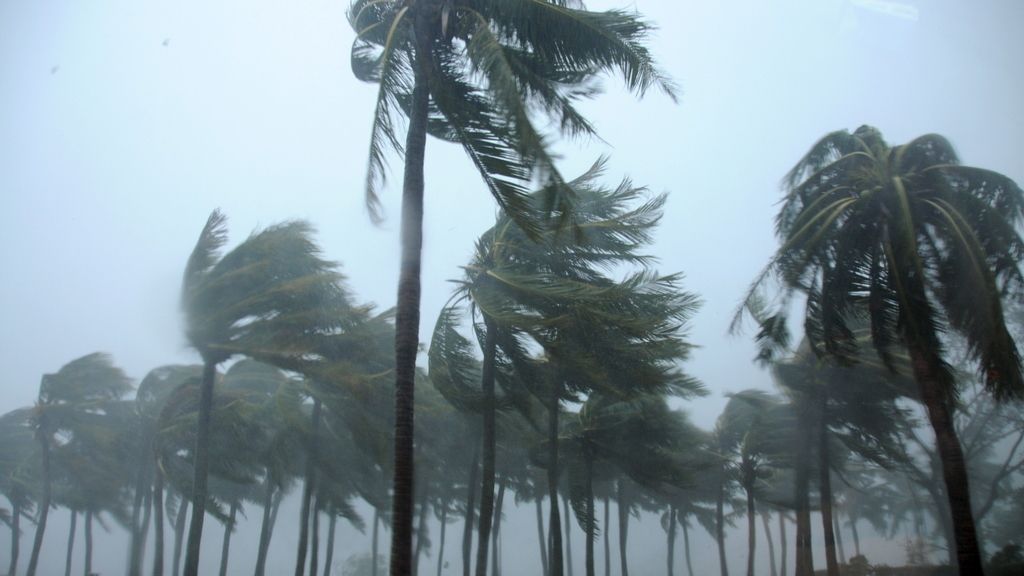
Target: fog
(125,124)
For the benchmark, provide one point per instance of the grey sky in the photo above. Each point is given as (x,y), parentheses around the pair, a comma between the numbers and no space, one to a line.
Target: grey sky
(125,123)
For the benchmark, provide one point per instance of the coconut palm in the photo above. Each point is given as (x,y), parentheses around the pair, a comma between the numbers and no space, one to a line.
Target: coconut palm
(19,469)
(926,246)
(269,298)
(477,72)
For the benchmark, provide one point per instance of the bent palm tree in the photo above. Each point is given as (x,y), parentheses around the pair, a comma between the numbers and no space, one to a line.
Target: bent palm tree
(477,72)
(269,298)
(926,246)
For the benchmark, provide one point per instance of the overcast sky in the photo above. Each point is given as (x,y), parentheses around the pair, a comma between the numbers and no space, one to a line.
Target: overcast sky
(124,123)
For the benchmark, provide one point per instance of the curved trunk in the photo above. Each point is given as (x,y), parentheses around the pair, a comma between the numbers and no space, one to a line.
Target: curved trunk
(954,470)
(804,560)
(202,465)
(179,533)
(589,532)
(751,531)
(540,536)
(444,530)
(487,474)
(825,491)
(496,532)
(467,531)
(555,525)
(88,543)
(264,543)
(12,569)
(329,554)
(771,544)
(407,317)
(671,539)
(158,523)
(686,549)
(44,507)
(568,534)
(623,526)
(307,493)
(720,525)
(71,543)
(856,535)
(838,528)
(225,548)
(607,544)
(314,547)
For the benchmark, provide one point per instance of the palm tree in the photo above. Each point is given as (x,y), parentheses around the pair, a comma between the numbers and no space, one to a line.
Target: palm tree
(19,461)
(476,72)
(927,246)
(268,298)
(70,400)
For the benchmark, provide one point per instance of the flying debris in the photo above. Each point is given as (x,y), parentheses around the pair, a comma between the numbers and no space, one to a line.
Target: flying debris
(54,69)
(166,42)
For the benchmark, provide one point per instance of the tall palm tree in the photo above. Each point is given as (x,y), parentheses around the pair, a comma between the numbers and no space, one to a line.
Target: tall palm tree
(927,246)
(269,298)
(477,72)
(19,469)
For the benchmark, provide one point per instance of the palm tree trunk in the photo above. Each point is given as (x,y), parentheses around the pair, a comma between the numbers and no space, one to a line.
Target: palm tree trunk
(44,507)
(375,545)
(856,535)
(782,544)
(825,490)
(540,536)
(771,544)
(954,470)
(804,560)
(12,569)
(147,515)
(607,538)
(137,501)
(158,522)
(720,525)
(264,545)
(467,532)
(421,528)
(329,554)
(686,549)
(71,542)
(568,534)
(838,528)
(407,318)
(307,493)
(671,539)
(623,525)
(88,543)
(202,465)
(496,532)
(751,531)
(444,530)
(314,547)
(555,525)
(487,475)
(225,549)
(179,533)
(589,532)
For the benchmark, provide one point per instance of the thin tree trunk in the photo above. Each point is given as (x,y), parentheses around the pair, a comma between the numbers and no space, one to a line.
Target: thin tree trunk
(496,532)
(467,531)
(158,522)
(71,542)
(225,549)
(686,548)
(134,567)
(264,543)
(783,551)
(771,544)
(856,535)
(375,546)
(202,465)
(825,490)
(329,554)
(307,493)
(147,515)
(444,530)
(407,318)
(540,535)
(44,507)
(623,525)
(12,569)
(273,515)
(751,531)
(720,525)
(314,545)
(838,527)
(590,527)
(487,474)
(88,543)
(568,534)
(671,540)
(421,528)
(555,525)
(607,545)
(179,533)
(954,469)
(804,559)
